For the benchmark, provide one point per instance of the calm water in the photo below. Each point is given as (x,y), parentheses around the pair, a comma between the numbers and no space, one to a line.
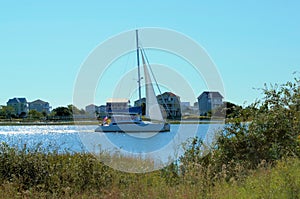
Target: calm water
(74,138)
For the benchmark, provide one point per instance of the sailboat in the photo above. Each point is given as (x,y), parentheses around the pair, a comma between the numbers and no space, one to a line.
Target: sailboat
(130,123)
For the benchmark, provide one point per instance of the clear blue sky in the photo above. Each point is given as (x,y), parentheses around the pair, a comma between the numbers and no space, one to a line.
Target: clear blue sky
(43,43)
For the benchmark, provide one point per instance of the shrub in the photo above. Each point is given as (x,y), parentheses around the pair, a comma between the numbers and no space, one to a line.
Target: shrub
(272,134)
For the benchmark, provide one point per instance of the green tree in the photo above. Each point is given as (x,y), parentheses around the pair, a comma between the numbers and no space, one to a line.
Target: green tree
(273,132)
(35,115)
(76,111)
(7,112)
(228,109)
(61,113)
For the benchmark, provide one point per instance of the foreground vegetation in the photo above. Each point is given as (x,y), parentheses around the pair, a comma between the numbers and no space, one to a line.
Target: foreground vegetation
(27,174)
(260,159)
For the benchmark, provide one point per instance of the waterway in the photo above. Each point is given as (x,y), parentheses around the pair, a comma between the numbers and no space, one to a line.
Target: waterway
(163,147)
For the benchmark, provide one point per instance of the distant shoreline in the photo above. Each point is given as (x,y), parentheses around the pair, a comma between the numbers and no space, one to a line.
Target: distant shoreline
(27,123)
(18,123)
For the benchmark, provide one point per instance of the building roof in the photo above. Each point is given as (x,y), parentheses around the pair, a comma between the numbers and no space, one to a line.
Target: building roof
(38,101)
(142,100)
(17,100)
(91,105)
(168,94)
(211,94)
(117,100)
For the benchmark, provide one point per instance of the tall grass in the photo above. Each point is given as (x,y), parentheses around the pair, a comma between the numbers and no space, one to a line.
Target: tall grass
(33,174)
(281,181)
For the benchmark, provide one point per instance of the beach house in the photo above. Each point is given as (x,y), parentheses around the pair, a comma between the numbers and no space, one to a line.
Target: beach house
(208,101)
(19,105)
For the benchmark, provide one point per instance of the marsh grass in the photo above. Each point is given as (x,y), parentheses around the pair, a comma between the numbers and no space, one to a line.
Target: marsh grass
(281,181)
(28,173)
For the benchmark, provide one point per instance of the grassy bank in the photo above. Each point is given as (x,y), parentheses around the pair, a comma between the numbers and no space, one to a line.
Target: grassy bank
(36,173)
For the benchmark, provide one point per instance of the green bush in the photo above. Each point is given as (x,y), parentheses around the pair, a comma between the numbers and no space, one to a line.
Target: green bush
(52,172)
(272,134)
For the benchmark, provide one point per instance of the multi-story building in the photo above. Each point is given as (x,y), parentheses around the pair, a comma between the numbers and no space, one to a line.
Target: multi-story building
(91,109)
(138,103)
(209,101)
(19,105)
(40,106)
(168,101)
(96,111)
(117,105)
(171,103)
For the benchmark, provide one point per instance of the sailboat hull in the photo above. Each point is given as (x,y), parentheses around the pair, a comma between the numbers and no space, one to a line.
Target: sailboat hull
(134,127)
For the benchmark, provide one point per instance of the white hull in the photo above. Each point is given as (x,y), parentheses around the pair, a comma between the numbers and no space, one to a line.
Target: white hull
(130,127)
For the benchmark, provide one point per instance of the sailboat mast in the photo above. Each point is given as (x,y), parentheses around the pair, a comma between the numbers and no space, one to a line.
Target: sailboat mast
(139,70)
